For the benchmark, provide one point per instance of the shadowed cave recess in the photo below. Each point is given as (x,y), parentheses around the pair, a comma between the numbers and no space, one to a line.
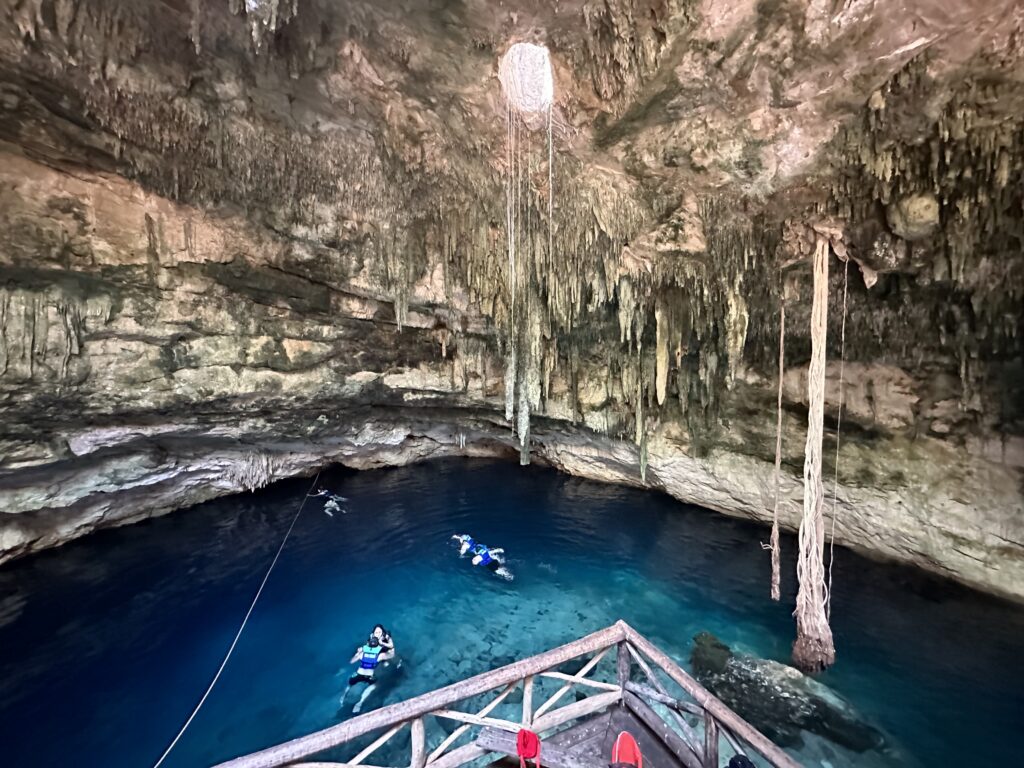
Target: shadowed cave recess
(244,241)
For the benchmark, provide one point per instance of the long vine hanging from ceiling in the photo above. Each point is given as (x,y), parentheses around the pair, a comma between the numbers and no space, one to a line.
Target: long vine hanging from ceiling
(528,86)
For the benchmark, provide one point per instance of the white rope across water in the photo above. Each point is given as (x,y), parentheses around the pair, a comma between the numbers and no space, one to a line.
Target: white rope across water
(238,634)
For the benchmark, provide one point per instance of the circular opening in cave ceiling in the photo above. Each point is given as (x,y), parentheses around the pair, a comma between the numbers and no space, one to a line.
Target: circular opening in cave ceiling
(526,79)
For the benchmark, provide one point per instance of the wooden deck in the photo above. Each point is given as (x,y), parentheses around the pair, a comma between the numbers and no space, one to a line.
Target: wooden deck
(588,744)
(684,729)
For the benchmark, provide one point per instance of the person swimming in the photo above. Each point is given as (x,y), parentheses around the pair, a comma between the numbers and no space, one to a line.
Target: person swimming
(384,637)
(466,543)
(333,503)
(369,657)
(491,558)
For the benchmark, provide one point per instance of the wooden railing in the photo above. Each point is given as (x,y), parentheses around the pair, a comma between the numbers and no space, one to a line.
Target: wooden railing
(692,749)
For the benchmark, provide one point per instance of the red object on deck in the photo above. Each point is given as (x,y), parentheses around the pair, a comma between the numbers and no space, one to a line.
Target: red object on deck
(528,747)
(627,751)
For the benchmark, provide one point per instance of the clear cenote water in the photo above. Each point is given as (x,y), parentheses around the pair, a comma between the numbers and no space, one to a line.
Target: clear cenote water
(106,644)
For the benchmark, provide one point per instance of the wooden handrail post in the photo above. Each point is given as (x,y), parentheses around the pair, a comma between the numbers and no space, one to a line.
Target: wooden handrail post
(622,663)
(403,711)
(454,735)
(419,744)
(377,744)
(710,741)
(582,708)
(692,749)
(528,701)
(568,686)
(687,753)
(689,735)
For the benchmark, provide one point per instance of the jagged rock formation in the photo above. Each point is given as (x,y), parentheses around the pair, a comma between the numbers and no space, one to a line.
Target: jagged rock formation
(780,700)
(239,240)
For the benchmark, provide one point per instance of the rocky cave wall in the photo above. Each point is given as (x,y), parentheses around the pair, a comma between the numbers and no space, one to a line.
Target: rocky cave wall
(241,240)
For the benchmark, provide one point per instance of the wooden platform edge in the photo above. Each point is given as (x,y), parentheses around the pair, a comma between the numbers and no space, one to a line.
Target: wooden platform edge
(690,750)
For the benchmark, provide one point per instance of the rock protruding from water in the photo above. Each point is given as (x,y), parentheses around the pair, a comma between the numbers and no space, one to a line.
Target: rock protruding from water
(779,700)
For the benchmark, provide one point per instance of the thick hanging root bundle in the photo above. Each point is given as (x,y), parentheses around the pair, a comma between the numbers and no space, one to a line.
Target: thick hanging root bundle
(839,427)
(813,649)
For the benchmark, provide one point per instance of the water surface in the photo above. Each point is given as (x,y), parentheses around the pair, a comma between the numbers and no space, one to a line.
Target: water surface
(106,644)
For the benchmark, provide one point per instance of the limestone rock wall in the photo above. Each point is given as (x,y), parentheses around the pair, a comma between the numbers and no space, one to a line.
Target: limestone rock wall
(239,241)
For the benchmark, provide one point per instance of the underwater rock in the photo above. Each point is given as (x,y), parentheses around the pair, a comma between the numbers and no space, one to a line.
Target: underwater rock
(779,700)
(914,217)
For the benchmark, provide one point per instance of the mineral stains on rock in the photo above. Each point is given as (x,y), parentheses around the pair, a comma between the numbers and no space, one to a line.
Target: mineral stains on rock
(239,240)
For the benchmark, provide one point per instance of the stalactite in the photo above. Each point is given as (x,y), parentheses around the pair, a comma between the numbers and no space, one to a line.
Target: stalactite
(533,291)
(737,320)
(265,17)
(968,161)
(643,458)
(813,649)
(662,331)
(195,9)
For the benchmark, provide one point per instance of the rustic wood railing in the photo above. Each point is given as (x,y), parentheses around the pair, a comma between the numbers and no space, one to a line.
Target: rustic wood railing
(693,750)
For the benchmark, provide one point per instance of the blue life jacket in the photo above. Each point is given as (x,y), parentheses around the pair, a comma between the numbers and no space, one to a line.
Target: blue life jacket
(468,541)
(370,658)
(484,553)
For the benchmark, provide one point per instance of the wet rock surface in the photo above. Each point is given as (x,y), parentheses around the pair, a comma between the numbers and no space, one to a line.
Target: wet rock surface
(914,217)
(240,241)
(779,700)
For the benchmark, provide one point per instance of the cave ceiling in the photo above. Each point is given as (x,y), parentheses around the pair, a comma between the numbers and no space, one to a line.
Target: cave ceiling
(692,143)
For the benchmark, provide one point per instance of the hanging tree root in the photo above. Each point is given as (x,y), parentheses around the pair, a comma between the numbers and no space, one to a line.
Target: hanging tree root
(813,649)
(776,578)
(839,429)
(812,654)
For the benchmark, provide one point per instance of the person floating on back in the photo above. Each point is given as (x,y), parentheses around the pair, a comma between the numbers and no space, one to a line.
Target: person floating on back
(491,558)
(333,503)
(369,657)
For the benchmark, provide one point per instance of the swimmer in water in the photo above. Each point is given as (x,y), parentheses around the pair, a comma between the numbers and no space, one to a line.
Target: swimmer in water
(333,503)
(386,641)
(491,558)
(369,657)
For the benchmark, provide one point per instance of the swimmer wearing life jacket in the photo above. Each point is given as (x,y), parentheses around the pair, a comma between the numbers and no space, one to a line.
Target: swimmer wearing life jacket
(369,657)
(491,558)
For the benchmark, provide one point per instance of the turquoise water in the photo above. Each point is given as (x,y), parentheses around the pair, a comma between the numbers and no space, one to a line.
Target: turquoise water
(107,644)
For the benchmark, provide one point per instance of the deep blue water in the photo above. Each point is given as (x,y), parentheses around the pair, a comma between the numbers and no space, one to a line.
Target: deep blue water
(106,644)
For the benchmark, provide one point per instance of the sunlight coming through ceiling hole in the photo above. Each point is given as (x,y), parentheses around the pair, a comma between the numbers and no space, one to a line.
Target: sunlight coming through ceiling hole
(525,74)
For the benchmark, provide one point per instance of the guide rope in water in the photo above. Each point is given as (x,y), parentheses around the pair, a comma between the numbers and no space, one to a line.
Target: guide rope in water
(238,634)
